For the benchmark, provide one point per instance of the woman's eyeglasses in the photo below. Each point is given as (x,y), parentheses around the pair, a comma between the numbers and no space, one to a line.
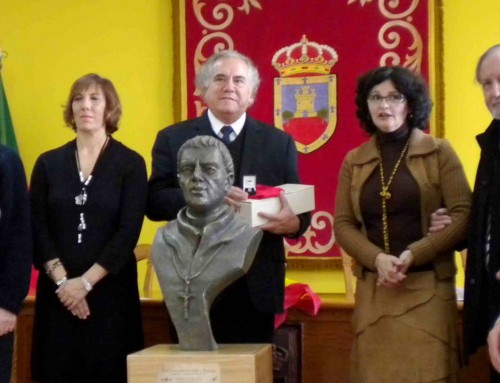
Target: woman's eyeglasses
(392,99)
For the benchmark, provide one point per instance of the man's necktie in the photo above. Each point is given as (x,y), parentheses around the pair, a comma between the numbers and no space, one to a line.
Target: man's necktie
(226,133)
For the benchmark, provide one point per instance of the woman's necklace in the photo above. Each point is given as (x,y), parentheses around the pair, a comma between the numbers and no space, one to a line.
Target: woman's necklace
(81,197)
(384,193)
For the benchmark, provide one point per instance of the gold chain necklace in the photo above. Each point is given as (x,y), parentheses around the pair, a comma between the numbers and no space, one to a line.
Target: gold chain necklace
(384,193)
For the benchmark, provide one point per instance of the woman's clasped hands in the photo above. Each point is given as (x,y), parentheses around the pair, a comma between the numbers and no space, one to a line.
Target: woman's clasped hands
(391,269)
(72,295)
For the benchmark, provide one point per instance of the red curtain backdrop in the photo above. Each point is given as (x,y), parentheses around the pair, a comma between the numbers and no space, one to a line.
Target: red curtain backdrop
(363,33)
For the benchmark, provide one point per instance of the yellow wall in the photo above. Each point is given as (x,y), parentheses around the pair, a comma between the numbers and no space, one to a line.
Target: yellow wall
(52,42)
(469,29)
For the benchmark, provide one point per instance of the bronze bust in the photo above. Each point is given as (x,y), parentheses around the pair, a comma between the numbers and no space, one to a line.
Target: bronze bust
(206,248)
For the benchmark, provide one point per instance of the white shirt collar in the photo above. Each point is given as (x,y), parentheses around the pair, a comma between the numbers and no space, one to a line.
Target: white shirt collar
(218,124)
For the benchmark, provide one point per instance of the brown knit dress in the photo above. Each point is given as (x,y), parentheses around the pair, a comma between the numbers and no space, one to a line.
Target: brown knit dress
(405,334)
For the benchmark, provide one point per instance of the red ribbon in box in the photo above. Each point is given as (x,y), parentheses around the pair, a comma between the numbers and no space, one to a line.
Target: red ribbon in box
(263,191)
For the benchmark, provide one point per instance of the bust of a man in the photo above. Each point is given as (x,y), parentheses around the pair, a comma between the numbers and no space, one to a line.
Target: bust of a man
(206,248)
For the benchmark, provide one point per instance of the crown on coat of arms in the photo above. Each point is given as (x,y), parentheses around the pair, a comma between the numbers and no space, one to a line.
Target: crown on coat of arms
(304,57)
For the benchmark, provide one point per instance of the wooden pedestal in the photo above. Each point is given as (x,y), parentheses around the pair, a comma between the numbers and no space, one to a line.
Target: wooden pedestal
(231,363)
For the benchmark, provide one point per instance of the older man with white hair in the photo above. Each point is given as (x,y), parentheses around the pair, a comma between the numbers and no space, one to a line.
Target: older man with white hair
(482,287)
(228,83)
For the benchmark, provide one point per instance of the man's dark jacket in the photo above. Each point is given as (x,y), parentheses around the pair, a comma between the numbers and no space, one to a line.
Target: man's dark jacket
(482,291)
(15,232)
(268,153)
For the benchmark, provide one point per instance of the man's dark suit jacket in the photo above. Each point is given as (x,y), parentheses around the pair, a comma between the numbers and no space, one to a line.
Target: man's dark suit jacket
(15,232)
(268,153)
(15,246)
(482,290)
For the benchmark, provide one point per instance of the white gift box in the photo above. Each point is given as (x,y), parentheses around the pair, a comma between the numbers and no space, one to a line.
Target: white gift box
(299,197)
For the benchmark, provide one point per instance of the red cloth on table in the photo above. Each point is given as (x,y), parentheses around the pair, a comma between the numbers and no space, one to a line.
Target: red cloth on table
(301,296)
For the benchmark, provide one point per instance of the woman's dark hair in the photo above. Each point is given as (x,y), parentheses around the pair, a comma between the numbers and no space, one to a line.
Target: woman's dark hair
(113,109)
(408,83)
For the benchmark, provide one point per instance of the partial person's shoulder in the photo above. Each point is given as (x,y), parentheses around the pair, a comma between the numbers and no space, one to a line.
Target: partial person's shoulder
(425,145)
(8,154)
(444,148)
(179,127)
(56,153)
(271,130)
(422,144)
(363,153)
(432,143)
(442,143)
(127,152)
(10,160)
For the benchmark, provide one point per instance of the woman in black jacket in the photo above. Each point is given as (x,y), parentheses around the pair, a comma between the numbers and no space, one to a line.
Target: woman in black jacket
(88,199)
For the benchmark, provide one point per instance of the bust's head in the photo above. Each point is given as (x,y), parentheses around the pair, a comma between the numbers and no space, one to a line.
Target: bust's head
(206,173)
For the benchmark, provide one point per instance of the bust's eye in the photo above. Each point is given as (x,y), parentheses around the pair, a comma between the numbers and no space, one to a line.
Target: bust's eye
(186,170)
(210,169)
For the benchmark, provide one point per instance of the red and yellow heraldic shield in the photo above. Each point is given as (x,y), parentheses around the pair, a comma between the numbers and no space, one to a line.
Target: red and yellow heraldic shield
(305,98)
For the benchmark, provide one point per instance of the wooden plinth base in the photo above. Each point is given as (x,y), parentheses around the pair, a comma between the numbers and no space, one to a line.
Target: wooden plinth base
(231,363)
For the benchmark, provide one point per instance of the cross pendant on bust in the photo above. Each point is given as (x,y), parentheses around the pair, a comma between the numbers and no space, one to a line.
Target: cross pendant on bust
(186,296)
(385,194)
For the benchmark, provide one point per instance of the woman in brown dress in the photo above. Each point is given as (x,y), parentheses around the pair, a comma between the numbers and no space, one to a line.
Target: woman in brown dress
(405,312)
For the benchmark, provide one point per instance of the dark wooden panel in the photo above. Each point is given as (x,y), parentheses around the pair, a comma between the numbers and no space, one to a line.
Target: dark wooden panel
(324,344)
(287,354)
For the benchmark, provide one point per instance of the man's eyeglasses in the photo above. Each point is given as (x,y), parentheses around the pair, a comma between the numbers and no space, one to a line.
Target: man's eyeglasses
(392,99)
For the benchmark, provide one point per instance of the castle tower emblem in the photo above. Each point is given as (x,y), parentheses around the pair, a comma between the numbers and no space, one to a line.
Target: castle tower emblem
(305,98)
(305,94)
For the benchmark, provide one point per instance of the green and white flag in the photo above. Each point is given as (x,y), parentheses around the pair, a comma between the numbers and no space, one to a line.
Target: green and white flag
(7,135)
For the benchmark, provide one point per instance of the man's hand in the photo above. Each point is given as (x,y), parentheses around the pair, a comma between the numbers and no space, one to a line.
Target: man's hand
(234,196)
(7,321)
(285,222)
(494,346)
(439,220)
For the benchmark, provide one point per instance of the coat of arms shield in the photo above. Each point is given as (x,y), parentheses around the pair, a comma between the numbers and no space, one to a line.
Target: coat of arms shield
(306,108)
(305,94)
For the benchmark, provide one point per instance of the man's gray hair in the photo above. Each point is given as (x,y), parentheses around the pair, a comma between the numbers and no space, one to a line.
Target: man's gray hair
(199,142)
(206,72)
(484,56)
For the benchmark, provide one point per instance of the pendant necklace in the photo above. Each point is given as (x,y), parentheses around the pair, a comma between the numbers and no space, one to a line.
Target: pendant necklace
(385,195)
(82,196)
(185,294)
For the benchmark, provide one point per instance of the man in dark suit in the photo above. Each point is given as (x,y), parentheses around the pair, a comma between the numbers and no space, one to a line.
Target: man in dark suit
(482,287)
(228,83)
(15,252)
(482,271)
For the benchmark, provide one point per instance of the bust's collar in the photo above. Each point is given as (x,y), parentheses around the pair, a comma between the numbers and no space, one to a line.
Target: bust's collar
(186,223)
